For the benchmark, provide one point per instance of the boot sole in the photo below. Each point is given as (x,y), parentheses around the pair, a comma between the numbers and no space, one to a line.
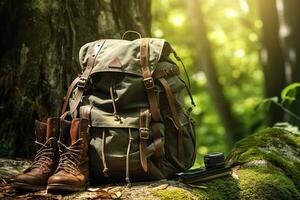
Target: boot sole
(64,188)
(28,187)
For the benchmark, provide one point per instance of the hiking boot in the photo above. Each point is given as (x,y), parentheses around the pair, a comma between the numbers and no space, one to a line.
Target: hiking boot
(72,171)
(45,162)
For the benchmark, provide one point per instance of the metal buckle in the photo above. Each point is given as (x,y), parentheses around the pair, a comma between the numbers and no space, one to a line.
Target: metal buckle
(144,133)
(82,82)
(149,83)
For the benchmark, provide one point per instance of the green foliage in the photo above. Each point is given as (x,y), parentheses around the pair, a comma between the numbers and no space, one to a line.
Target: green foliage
(234,33)
(288,94)
(266,103)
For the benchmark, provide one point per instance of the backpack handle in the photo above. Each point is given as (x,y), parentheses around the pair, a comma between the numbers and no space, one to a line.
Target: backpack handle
(130,31)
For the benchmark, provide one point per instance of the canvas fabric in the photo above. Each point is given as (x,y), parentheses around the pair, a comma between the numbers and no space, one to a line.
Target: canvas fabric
(127,140)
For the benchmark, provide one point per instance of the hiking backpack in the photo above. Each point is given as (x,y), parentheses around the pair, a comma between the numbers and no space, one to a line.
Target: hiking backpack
(131,91)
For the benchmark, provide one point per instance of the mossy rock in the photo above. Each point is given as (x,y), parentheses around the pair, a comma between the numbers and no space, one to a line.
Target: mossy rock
(266,165)
(276,149)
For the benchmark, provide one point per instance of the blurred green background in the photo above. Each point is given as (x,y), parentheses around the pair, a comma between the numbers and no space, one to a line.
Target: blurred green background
(235,35)
(240,55)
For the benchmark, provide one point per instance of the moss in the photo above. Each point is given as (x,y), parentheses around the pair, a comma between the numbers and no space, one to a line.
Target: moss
(277,146)
(270,169)
(266,183)
(41,6)
(171,193)
(223,188)
(259,183)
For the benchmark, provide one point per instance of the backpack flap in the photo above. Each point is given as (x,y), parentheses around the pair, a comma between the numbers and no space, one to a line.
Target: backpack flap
(124,55)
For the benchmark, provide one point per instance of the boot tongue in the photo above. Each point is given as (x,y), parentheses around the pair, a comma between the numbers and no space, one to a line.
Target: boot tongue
(40,131)
(52,127)
(75,130)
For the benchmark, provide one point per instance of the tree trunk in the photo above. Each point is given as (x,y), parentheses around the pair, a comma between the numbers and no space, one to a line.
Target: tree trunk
(233,127)
(39,44)
(272,58)
(289,17)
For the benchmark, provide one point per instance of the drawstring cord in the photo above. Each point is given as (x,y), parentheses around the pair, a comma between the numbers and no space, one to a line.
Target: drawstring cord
(186,74)
(105,169)
(188,87)
(130,138)
(117,117)
(188,91)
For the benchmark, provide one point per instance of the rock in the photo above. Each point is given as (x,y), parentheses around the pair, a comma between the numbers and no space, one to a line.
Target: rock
(266,165)
(10,168)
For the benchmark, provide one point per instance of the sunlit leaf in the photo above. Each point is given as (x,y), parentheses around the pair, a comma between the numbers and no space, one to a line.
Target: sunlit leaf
(289,93)
(266,103)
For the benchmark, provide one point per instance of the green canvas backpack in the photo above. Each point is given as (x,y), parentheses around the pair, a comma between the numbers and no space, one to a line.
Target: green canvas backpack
(131,91)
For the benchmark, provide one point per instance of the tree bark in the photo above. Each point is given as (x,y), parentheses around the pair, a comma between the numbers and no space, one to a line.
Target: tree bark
(233,127)
(39,44)
(272,58)
(289,18)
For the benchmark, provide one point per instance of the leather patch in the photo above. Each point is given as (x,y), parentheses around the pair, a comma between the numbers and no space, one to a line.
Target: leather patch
(115,63)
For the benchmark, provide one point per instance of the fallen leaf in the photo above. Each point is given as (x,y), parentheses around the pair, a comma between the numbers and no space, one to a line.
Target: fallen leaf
(93,189)
(106,194)
(234,172)
(198,186)
(117,195)
(161,187)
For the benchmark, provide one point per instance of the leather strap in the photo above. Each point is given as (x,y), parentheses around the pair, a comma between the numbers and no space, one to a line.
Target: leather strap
(144,136)
(81,84)
(171,102)
(154,109)
(64,115)
(69,92)
(148,80)
(85,112)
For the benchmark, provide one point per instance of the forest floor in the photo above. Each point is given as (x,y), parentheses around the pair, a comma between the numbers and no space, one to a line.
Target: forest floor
(265,165)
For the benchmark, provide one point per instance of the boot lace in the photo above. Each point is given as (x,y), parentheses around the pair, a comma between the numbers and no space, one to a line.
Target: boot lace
(44,155)
(70,157)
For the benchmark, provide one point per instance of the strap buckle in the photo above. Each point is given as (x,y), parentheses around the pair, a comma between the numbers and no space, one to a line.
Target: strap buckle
(144,133)
(149,83)
(82,82)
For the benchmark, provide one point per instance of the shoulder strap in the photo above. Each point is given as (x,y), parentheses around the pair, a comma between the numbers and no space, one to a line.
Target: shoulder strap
(148,80)
(81,83)
(154,108)
(69,92)
(171,102)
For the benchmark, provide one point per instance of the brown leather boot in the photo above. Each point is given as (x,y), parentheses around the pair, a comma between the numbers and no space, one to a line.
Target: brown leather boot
(45,162)
(72,172)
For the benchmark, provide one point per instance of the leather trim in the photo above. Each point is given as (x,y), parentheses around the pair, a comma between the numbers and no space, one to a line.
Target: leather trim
(148,80)
(154,108)
(68,95)
(177,123)
(144,136)
(85,75)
